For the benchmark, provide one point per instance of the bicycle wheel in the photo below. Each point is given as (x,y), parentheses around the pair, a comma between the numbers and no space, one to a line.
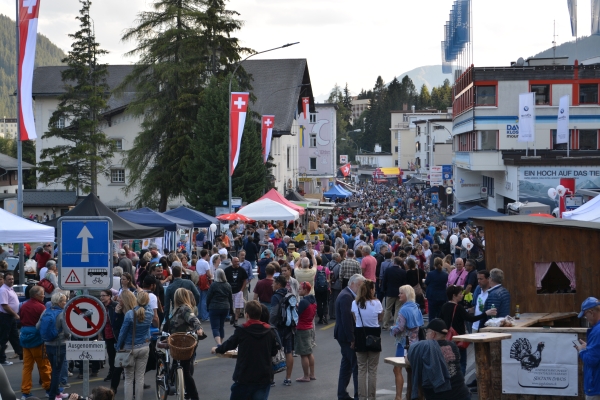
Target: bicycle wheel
(180,384)
(162,378)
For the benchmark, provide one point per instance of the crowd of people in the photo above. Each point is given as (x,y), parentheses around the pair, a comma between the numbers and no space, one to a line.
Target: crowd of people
(380,261)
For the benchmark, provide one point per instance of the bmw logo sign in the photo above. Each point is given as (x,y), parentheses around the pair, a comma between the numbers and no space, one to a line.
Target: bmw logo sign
(562,110)
(526,108)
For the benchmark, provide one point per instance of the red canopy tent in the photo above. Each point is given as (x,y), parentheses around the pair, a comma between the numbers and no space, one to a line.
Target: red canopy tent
(278,197)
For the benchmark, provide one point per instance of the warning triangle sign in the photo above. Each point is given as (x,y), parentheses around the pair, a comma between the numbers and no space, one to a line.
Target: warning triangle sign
(72,278)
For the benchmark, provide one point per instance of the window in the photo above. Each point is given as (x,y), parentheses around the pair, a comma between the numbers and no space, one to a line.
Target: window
(313,118)
(560,146)
(313,163)
(487,140)
(418,146)
(289,158)
(485,96)
(117,175)
(542,94)
(396,163)
(588,93)
(313,140)
(119,144)
(60,124)
(588,139)
(489,184)
(395,149)
(395,135)
(555,277)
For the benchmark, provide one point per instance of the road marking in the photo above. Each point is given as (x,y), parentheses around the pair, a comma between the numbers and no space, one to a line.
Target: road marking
(205,359)
(328,326)
(74,383)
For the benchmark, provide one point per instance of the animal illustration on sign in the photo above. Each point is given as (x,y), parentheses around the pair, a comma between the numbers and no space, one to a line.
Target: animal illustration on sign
(521,351)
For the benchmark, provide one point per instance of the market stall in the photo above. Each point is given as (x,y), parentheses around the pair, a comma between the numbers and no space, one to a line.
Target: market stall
(274,195)
(336,192)
(267,209)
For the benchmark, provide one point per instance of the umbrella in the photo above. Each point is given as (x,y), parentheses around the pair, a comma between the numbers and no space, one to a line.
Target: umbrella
(233,217)
(541,215)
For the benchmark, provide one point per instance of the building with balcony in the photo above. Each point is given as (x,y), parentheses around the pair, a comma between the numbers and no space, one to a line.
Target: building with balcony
(433,143)
(8,128)
(369,161)
(358,107)
(485,131)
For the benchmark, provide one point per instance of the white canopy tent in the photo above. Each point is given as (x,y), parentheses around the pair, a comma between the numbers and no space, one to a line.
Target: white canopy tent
(589,212)
(268,209)
(14,229)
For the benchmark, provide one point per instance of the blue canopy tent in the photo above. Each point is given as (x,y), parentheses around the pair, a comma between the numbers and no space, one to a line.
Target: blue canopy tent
(146,216)
(336,193)
(199,219)
(343,189)
(474,212)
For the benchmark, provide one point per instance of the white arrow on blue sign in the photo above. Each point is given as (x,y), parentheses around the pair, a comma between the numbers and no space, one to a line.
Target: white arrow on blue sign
(85,253)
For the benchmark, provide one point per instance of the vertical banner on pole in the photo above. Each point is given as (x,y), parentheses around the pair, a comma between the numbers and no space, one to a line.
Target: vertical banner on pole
(573,15)
(268,121)
(595,17)
(28,22)
(562,123)
(237,118)
(526,117)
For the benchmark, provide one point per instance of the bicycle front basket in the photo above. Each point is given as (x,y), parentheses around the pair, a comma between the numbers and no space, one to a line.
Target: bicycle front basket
(181,346)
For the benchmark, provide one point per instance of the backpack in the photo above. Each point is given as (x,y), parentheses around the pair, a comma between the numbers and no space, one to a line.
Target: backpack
(48,329)
(47,285)
(321,281)
(331,265)
(287,311)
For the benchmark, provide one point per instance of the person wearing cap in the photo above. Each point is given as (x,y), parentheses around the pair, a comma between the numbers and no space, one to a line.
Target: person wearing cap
(435,363)
(292,254)
(589,351)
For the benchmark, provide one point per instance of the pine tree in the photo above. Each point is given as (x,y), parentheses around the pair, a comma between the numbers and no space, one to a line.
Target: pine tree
(424,98)
(205,173)
(180,44)
(85,151)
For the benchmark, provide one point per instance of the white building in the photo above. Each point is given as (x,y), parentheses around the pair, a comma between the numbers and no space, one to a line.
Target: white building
(278,86)
(8,128)
(358,107)
(433,144)
(486,128)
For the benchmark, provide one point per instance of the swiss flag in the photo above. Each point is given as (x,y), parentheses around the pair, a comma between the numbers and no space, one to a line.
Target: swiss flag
(305,106)
(345,169)
(238,105)
(268,121)
(28,22)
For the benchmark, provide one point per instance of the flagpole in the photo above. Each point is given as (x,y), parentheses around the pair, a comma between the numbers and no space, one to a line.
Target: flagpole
(229,116)
(19,156)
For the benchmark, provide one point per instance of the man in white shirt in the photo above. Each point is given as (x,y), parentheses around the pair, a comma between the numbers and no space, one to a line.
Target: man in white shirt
(9,309)
(44,270)
(481,295)
(203,268)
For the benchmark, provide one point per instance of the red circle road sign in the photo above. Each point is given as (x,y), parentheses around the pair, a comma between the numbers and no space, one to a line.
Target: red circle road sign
(85,316)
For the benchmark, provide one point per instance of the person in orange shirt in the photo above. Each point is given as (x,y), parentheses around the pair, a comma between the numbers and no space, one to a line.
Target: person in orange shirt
(226,241)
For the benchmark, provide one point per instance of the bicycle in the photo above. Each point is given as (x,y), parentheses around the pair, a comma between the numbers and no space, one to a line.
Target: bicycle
(85,355)
(169,372)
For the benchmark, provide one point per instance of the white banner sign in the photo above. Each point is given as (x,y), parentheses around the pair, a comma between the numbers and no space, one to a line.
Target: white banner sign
(78,350)
(526,117)
(540,364)
(562,124)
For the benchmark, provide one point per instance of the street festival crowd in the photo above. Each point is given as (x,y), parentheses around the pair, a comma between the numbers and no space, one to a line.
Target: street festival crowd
(382,262)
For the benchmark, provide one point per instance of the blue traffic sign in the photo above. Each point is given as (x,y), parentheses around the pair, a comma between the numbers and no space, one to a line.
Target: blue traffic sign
(434,198)
(85,252)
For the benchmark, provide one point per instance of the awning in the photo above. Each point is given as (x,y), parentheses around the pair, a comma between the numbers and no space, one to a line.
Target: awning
(476,197)
(391,171)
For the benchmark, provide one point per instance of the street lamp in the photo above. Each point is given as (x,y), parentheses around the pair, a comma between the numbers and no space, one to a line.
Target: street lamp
(229,108)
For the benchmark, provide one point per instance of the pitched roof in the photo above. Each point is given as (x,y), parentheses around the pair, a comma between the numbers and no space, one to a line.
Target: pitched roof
(9,163)
(278,86)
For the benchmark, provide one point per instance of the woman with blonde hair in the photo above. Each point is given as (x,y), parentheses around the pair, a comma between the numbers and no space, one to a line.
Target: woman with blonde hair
(185,320)
(368,313)
(405,330)
(135,336)
(127,301)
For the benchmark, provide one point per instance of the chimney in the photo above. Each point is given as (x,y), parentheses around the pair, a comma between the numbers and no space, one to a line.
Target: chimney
(413,109)
(377,148)
(404,107)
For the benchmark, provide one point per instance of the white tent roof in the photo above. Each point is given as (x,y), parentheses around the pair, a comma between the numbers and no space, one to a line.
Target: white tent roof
(589,212)
(14,229)
(268,209)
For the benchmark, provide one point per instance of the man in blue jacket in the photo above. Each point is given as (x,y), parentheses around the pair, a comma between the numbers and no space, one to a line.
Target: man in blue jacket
(344,334)
(498,295)
(590,352)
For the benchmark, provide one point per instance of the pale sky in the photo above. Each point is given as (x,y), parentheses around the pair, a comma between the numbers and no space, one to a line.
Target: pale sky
(345,41)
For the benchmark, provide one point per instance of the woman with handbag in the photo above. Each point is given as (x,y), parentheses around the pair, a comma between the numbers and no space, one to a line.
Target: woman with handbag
(134,337)
(405,330)
(126,302)
(454,315)
(368,313)
(185,320)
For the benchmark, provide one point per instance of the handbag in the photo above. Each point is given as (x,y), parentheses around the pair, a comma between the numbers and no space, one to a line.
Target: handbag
(278,361)
(124,358)
(452,332)
(372,342)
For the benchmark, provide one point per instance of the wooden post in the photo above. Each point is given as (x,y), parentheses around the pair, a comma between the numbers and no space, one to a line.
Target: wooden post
(482,366)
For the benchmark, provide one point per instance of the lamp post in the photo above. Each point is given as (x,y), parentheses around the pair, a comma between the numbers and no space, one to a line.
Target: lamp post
(229,108)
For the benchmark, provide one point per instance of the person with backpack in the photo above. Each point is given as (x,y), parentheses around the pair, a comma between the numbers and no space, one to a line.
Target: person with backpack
(54,332)
(322,289)
(284,317)
(335,282)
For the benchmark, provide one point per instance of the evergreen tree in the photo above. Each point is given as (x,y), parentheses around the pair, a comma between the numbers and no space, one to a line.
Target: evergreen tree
(347,98)
(84,151)
(377,123)
(180,45)
(205,172)
(343,113)
(424,98)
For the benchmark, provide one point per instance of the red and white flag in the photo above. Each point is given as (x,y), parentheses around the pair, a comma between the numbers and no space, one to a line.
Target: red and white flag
(268,121)
(345,169)
(305,106)
(28,22)
(237,117)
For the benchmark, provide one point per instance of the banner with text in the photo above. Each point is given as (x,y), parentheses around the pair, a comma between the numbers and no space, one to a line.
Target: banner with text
(562,124)
(526,117)
(534,182)
(540,364)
